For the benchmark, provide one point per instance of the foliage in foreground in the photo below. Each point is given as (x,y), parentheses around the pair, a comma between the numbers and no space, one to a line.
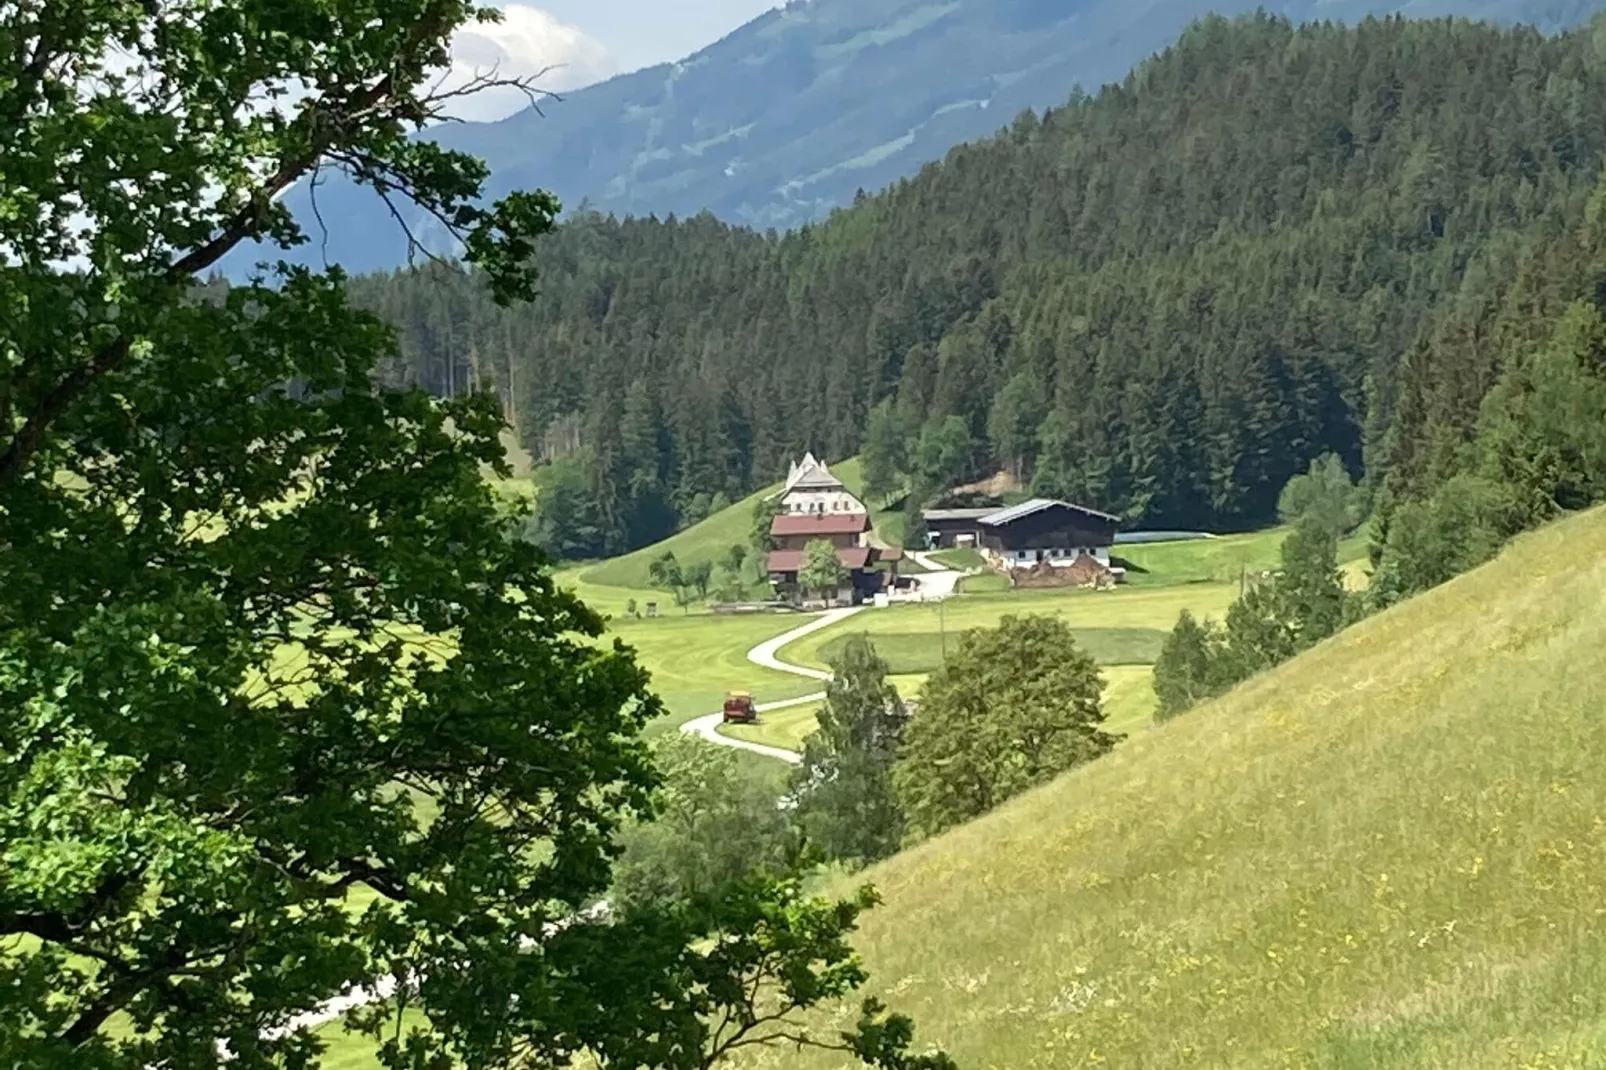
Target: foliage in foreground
(746,964)
(717,822)
(266,646)
(1012,707)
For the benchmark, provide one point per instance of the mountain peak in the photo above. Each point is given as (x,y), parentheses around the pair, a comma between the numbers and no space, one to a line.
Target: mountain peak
(790,115)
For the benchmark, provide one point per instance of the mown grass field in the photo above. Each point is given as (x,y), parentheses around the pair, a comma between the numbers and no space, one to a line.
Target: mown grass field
(786,728)
(1123,609)
(922,651)
(962,558)
(1217,560)
(1389,852)
(695,660)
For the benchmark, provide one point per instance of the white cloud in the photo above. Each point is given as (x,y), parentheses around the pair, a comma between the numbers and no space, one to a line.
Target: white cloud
(527,42)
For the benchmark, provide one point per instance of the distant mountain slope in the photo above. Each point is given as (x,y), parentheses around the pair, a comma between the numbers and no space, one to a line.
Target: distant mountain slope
(787,117)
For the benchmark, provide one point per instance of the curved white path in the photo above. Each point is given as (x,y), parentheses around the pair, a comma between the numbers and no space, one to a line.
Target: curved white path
(765,655)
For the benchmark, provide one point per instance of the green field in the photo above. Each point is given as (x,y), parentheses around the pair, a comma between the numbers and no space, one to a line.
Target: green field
(888,523)
(695,660)
(962,558)
(608,586)
(984,583)
(922,651)
(1128,704)
(786,728)
(1387,853)
(1123,629)
(1123,608)
(1219,559)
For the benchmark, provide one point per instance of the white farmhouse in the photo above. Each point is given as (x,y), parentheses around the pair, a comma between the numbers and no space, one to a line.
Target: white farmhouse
(811,488)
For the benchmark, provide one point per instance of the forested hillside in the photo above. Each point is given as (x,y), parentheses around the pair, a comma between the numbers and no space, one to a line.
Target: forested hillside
(781,121)
(1268,243)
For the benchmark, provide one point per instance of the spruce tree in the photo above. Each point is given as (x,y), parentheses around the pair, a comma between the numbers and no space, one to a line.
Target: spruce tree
(843,787)
(1189,669)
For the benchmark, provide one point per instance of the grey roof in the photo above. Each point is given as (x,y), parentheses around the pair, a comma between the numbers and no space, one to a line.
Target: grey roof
(814,480)
(957,514)
(810,474)
(1036,505)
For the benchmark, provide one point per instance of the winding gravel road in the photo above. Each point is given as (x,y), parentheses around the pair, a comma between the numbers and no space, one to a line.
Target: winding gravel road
(765,655)
(940,582)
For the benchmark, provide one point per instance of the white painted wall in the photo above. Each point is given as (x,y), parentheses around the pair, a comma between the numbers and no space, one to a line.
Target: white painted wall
(1058,556)
(821,501)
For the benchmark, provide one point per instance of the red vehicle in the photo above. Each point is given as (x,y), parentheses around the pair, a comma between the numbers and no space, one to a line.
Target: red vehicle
(739,708)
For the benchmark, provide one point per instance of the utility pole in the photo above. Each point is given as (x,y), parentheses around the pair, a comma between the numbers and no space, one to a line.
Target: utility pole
(942,625)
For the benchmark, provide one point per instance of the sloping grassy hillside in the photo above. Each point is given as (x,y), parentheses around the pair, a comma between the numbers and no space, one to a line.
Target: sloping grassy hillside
(1218,560)
(887,523)
(609,586)
(707,540)
(1390,852)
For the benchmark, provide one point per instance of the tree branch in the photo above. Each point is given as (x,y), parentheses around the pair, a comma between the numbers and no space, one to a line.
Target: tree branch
(324,123)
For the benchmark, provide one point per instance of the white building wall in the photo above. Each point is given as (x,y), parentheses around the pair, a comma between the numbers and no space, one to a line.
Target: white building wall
(821,501)
(1059,556)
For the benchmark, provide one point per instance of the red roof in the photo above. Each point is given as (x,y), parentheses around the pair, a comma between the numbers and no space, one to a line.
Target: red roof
(819,524)
(792,560)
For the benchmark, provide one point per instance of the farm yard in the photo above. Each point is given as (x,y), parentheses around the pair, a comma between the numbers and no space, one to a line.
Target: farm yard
(696,657)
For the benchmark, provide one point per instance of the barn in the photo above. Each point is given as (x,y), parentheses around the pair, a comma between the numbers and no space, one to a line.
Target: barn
(1039,531)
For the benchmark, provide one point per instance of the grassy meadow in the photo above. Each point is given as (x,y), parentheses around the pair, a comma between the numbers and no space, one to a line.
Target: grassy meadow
(786,728)
(922,651)
(1220,559)
(695,660)
(1389,852)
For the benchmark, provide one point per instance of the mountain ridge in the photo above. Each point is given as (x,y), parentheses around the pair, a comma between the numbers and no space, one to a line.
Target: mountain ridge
(790,115)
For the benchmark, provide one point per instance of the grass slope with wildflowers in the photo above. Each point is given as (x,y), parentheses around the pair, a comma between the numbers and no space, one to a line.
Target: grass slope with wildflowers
(1388,852)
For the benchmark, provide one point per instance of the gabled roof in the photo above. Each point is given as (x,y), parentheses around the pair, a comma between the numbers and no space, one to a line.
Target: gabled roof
(820,524)
(792,560)
(810,474)
(1037,505)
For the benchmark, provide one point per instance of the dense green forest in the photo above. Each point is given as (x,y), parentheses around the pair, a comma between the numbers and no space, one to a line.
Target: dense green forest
(1164,300)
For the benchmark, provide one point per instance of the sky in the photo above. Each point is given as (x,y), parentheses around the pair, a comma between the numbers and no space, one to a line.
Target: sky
(579,42)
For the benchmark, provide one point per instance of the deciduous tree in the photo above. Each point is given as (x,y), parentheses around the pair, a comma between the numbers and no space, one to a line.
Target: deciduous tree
(1012,706)
(822,570)
(283,708)
(883,452)
(1189,668)
(1325,495)
(717,823)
